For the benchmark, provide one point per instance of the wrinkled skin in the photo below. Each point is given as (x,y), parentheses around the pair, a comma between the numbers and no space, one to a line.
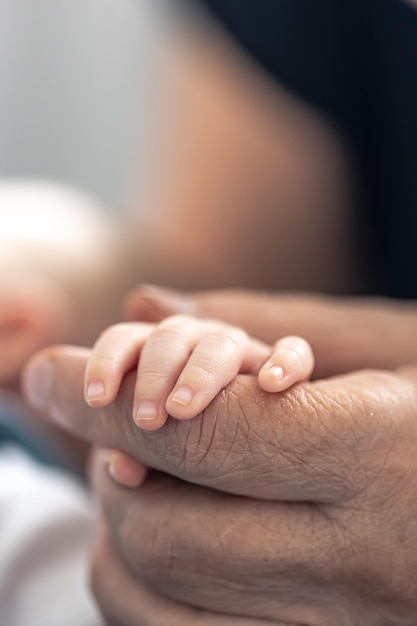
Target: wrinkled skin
(295,509)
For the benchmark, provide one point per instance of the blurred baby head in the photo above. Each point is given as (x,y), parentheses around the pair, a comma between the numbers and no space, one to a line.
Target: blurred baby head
(53,243)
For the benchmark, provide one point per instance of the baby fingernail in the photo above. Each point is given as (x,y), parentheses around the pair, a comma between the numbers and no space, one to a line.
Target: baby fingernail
(276,371)
(183,395)
(125,470)
(95,391)
(147,411)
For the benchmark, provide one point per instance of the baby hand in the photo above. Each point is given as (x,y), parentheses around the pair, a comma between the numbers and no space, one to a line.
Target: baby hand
(183,362)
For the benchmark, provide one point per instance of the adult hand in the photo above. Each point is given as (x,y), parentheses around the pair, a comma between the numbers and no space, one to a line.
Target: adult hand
(346,333)
(325,526)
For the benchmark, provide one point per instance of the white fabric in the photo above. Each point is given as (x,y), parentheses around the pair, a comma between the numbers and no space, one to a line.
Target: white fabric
(45,526)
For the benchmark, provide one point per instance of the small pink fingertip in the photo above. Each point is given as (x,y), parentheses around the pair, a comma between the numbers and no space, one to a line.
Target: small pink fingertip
(272,379)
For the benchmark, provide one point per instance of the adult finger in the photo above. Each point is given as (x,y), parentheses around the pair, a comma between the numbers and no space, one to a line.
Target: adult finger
(345,333)
(124,601)
(304,444)
(287,563)
(205,549)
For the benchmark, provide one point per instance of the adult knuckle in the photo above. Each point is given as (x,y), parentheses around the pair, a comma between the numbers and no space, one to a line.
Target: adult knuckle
(389,448)
(359,435)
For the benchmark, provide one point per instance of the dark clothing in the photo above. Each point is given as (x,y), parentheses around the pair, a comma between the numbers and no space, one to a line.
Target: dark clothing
(356,62)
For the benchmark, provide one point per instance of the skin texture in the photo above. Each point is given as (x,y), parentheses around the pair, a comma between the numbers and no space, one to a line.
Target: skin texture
(296,509)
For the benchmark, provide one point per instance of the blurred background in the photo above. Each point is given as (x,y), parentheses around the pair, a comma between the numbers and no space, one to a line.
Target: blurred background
(78,83)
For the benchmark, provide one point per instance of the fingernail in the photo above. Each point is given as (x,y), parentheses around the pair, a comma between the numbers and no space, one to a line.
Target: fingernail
(95,390)
(147,411)
(183,395)
(276,371)
(125,470)
(37,383)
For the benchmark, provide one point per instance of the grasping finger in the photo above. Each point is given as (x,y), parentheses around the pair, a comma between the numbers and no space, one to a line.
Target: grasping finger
(291,362)
(184,364)
(115,352)
(216,360)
